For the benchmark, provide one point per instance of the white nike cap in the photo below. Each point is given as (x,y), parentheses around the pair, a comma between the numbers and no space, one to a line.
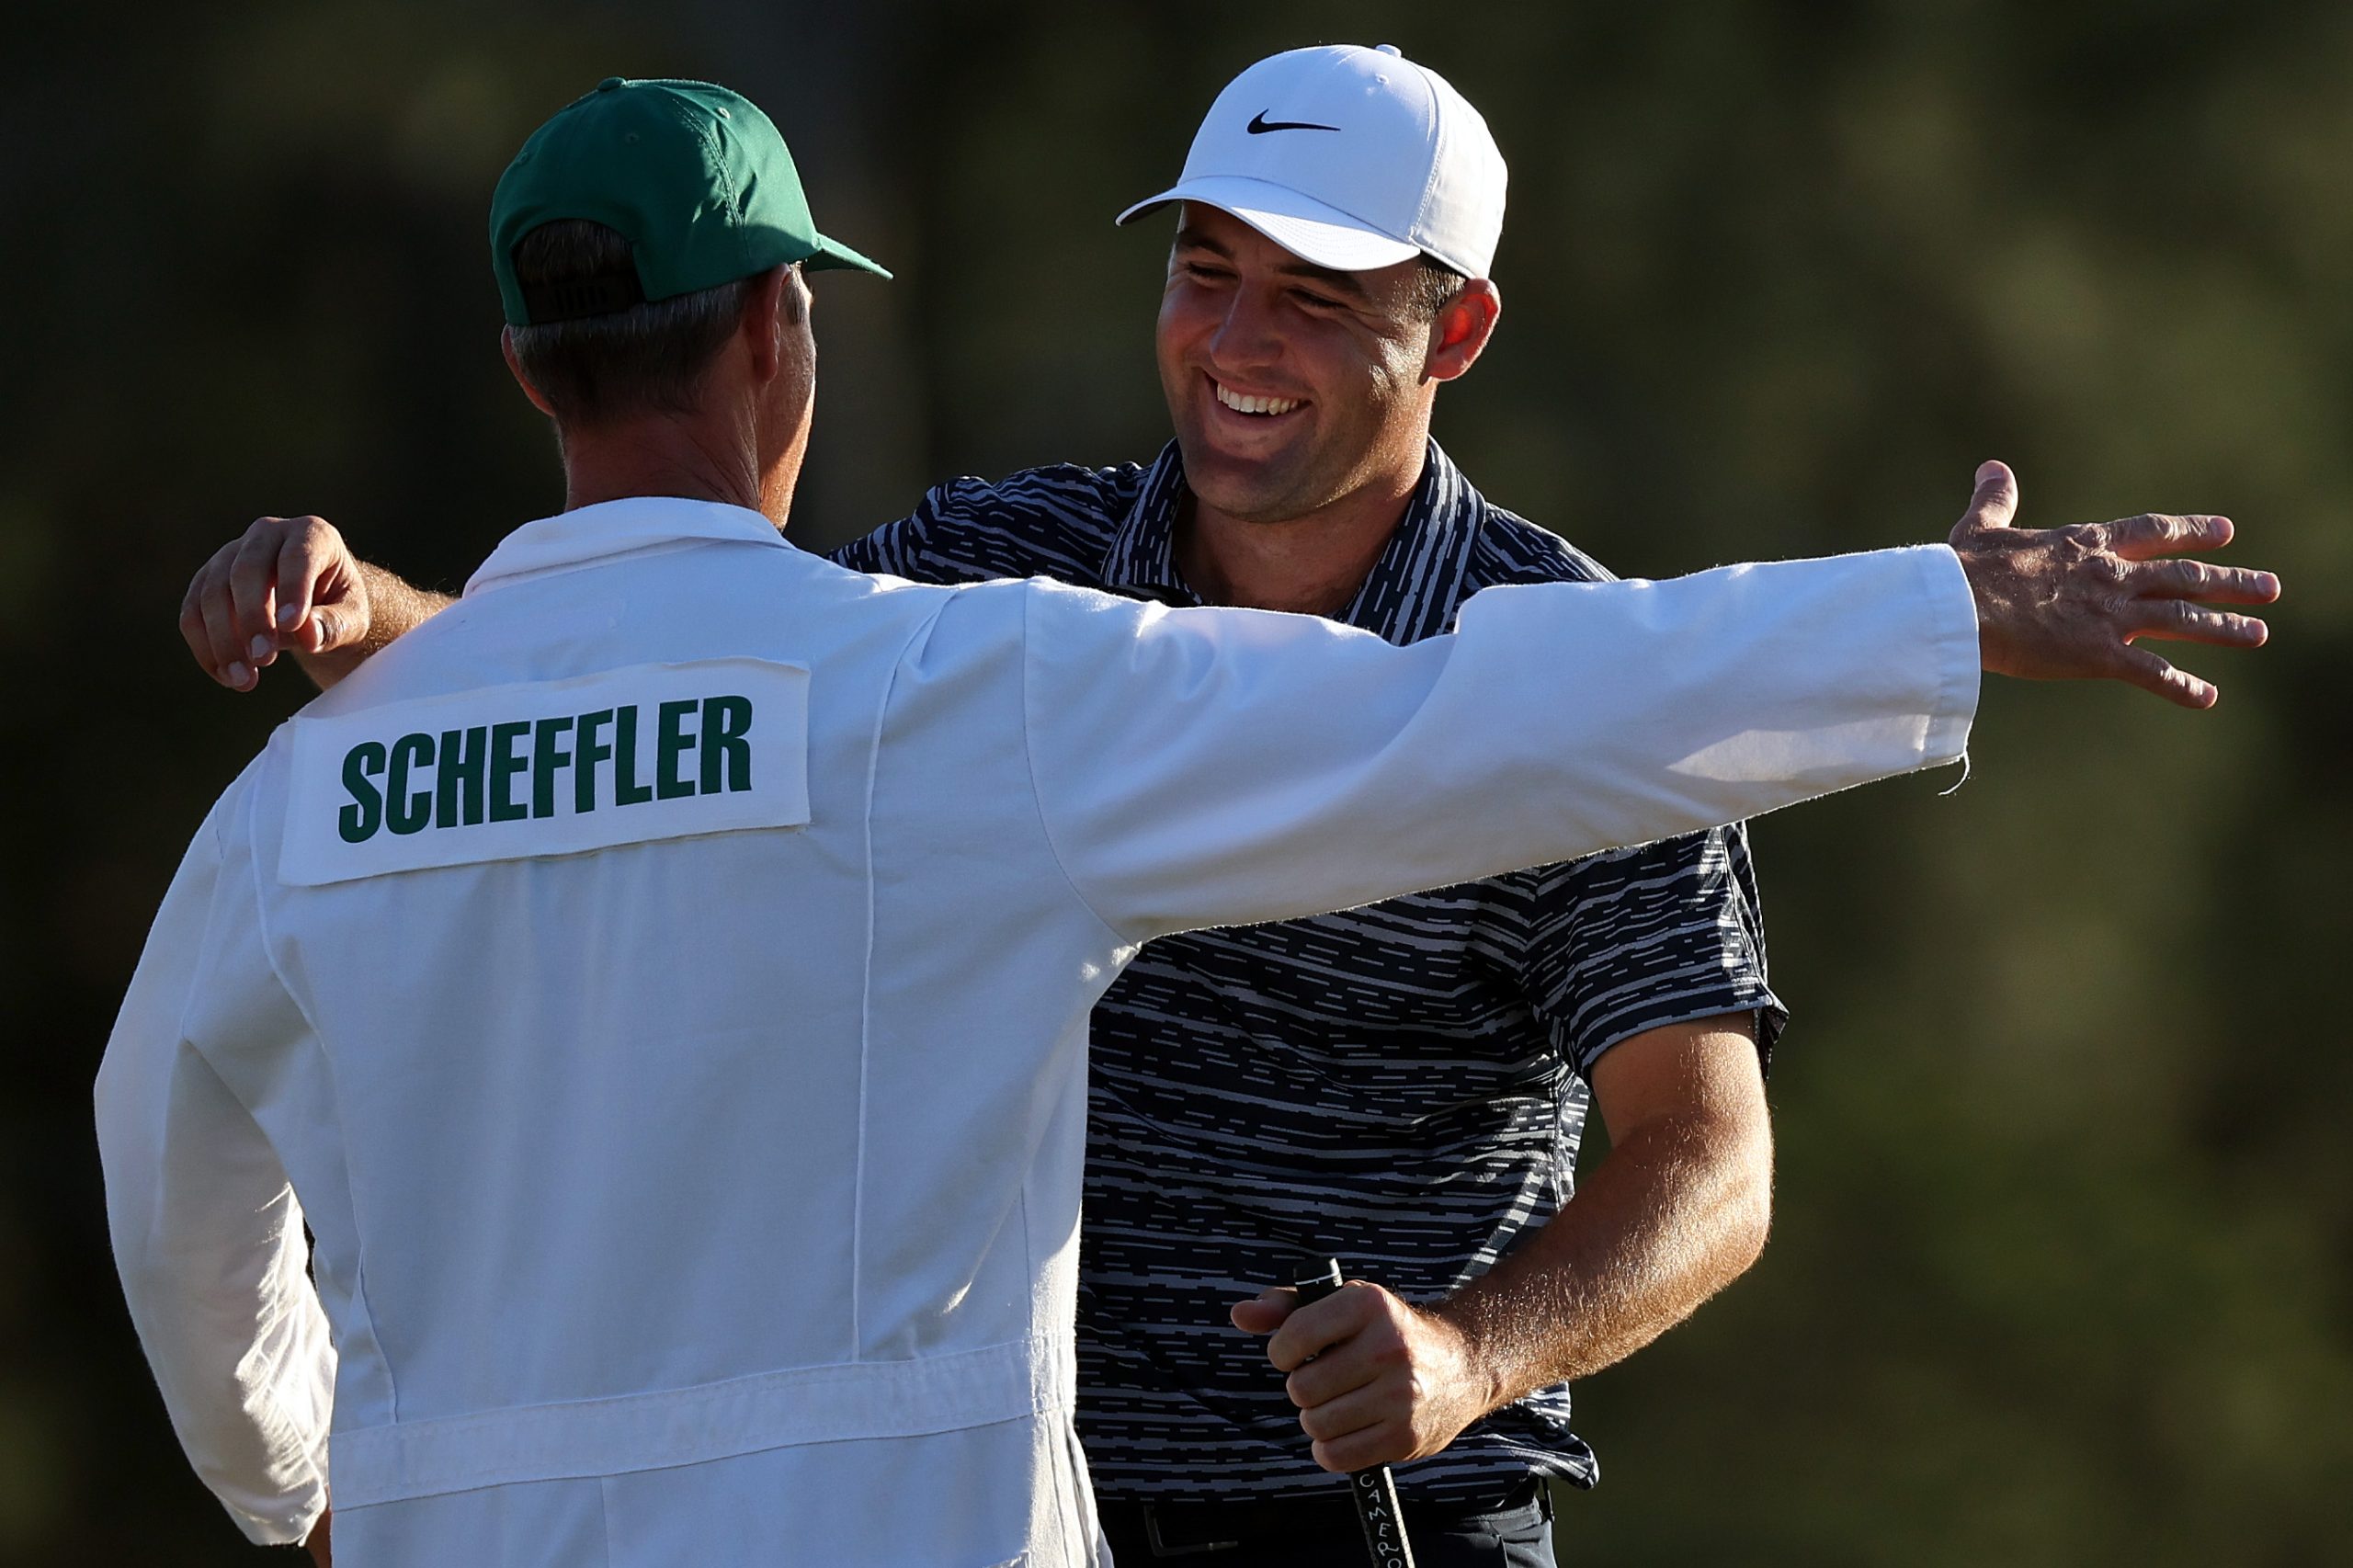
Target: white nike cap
(1351,158)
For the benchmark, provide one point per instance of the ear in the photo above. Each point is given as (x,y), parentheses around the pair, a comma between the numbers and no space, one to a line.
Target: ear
(515,368)
(1459,333)
(767,313)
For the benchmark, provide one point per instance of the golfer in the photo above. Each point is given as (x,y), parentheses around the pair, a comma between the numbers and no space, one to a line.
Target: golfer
(661,982)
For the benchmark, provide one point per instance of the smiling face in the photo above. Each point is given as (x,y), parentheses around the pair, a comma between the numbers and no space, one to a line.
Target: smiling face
(1292,387)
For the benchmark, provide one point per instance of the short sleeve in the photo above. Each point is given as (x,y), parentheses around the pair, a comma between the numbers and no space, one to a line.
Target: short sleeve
(1629,940)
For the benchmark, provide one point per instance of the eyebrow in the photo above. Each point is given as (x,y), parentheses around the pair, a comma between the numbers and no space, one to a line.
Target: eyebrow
(1348,283)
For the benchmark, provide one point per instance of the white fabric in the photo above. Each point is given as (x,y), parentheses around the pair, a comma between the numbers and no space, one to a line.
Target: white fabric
(1352,158)
(716,1195)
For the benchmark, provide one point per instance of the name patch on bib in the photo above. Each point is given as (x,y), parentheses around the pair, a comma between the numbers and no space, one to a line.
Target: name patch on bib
(556,767)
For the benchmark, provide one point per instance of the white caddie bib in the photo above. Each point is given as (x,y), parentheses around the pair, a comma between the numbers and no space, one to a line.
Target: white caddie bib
(551,768)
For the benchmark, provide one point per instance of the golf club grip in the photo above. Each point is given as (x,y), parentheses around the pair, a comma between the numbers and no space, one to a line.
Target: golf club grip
(1374,1490)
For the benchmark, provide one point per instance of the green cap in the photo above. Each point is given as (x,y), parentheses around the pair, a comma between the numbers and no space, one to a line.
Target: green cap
(695,177)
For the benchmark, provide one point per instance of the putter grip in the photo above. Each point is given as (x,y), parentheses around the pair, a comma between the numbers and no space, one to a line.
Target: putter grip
(1374,1490)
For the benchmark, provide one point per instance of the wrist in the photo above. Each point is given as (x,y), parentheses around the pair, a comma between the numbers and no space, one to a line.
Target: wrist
(1485,1368)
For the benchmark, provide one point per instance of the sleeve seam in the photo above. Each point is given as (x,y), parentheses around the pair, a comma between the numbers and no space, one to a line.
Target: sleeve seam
(1038,795)
(1755,1009)
(318,1037)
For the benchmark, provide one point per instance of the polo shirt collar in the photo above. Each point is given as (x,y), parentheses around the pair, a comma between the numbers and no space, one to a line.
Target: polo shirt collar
(1411,593)
(1142,554)
(610,529)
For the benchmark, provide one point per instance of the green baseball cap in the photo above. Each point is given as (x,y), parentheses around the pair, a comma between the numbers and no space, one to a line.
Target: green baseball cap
(694,177)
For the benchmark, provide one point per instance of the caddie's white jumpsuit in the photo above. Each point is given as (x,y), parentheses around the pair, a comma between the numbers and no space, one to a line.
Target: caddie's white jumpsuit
(663,980)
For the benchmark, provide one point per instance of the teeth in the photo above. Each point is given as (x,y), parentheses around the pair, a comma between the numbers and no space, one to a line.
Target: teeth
(1241,405)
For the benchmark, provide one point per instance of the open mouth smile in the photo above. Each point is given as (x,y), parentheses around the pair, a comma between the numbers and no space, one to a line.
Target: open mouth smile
(1263,407)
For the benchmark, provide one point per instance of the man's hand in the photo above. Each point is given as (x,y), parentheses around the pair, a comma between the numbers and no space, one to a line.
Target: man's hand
(321,1549)
(1676,1209)
(2069,604)
(291,584)
(1377,1380)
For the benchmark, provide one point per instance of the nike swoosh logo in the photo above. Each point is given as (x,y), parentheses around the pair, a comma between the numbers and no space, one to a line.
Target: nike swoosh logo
(1259,125)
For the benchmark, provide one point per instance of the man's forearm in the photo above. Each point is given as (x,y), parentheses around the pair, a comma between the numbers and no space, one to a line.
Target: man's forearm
(1678,1210)
(395,609)
(1675,1213)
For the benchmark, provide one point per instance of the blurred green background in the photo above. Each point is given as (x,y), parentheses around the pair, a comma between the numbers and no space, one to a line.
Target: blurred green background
(2063,1266)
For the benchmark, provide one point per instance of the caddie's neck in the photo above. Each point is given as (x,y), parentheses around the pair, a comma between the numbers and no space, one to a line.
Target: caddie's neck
(691,457)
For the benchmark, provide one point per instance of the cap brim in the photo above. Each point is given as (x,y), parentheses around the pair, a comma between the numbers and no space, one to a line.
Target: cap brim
(831,252)
(1312,230)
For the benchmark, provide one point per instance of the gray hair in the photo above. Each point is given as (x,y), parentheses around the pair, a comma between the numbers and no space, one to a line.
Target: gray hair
(649,357)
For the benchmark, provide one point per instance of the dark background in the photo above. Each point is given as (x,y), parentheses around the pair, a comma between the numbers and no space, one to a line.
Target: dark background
(2063,1266)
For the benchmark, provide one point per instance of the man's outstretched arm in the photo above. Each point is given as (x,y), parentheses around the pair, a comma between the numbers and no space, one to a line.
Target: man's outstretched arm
(291,584)
(2074,603)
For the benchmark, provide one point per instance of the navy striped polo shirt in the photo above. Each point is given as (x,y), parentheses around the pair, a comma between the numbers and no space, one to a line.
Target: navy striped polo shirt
(1402,1087)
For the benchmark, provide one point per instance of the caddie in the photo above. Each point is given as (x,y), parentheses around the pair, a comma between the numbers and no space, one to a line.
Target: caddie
(1339,1082)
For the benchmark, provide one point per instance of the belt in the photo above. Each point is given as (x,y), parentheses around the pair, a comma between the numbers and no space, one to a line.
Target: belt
(1176,1529)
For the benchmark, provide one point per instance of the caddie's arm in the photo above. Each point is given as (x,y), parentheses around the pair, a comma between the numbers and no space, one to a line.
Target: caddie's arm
(291,584)
(2071,603)
(1217,768)
(206,1232)
(1676,1211)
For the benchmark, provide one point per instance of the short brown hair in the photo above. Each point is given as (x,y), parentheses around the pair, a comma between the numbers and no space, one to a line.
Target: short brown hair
(650,358)
(1435,287)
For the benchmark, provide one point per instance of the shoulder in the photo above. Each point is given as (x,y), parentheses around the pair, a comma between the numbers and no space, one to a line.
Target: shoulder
(1510,548)
(1055,521)
(221,852)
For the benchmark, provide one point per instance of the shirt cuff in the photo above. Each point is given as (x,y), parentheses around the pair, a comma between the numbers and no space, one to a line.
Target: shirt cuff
(1951,609)
(288,1524)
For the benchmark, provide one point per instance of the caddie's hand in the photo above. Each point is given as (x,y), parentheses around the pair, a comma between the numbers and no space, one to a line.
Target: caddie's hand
(322,1548)
(288,583)
(2074,603)
(1377,1380)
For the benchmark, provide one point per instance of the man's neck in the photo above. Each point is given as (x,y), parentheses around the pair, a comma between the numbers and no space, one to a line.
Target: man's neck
(665,457)
(1311,565)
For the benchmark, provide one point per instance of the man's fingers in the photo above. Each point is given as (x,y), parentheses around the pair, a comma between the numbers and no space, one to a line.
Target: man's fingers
(2157,533)
(1996,502)
(2202,580)
(325,629)
(2172,621)
(1329,1378)
(2150,673)
(251,585)
(301,560)
(228,651)
(1386,1444)
(194,628)
(1319,1325)
(1264,1312)
(1350,1412)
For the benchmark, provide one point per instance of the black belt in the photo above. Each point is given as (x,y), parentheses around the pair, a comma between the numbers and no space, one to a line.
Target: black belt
(1186,1530)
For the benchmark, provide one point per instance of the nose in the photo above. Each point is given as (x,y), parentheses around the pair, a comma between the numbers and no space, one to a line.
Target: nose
(1247,337)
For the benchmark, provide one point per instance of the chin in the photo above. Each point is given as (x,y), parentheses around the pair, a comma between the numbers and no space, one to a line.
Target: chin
(1248,503)
(1239,487)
